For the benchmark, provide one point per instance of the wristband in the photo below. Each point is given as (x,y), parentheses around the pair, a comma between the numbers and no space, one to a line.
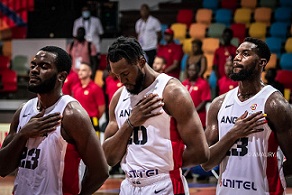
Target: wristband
(129,123)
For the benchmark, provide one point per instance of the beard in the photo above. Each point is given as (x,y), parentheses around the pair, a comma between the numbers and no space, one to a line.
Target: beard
(242,75)
(44,87)
(139,83)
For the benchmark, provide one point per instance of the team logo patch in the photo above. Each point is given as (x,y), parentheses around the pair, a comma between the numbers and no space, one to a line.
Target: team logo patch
(253,106)
(86,92)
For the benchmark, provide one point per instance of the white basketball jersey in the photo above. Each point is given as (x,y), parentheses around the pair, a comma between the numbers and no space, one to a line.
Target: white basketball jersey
(251,166)
(49,165)
(155,147)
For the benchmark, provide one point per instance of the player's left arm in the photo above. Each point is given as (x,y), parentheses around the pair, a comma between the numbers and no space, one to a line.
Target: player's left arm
(77,126)
(179,105)
(279,118)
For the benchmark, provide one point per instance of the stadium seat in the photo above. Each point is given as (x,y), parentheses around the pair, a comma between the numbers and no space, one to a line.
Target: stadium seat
(9,81)
(285,3)
(187,45)
(275,45)
(229,4)
(288,45)
(224,16)
(286,62)
(215,30)
(20,65)
(197,31)
(251,4)
(258,30)
(180,31)
(204,16)
(270,3)
(280,30)
(185,16)
(242,15)
(263,14)
(239,31)
(163,28)
(4,62)
(210,4)
(235,41)
(210,45)
(284,77)
(283,14)
(210,58)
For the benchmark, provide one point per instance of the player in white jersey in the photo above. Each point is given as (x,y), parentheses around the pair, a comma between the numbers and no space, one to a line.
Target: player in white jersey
(50,134)
(154,128)
(247,126)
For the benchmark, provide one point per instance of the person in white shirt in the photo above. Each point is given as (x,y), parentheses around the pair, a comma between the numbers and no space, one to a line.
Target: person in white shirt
(148,29)
(92,25)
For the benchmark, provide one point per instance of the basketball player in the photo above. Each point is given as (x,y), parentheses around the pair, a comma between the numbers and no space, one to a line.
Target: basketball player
(247,126)
(50,134)
(153,127)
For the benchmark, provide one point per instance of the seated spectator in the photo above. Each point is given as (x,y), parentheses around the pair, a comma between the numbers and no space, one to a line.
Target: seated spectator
(225,83)
(159,64)
(197,57)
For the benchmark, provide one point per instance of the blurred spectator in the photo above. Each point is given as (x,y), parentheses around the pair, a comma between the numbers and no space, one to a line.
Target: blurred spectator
(79,50)
(148,29)
(270,76)
(92,26)
(90,95)
(225,83)
(159,64)
(197,57)
(172,53)
(201,94)
(199,90)
(225,50)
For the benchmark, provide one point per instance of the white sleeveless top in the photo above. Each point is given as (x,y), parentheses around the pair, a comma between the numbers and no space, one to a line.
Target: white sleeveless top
(155,147)
(49,165)
(251,166)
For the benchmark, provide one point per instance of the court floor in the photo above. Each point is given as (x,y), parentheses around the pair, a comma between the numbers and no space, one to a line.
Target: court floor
(111,187)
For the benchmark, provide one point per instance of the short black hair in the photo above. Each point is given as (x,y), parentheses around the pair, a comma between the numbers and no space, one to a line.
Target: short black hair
(63,61)
(127,48)
(262,49)
(228,30)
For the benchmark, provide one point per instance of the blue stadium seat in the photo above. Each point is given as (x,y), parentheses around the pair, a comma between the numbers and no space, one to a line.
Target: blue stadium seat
(286,61)
(210,4)
(280,30)
(224,16)
(275,45)
(283,14)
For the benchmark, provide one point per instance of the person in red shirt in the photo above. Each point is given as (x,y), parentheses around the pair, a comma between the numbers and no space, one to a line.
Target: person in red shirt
(90,95)
(201,94)
(225,83)
(199,90)
(172,53)
(225,50)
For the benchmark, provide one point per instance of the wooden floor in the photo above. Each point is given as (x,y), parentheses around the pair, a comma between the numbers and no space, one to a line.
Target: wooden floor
(111,187)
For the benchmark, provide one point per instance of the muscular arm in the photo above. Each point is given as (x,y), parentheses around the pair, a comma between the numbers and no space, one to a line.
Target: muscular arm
(116,139)
(189,125)
(83,136)
(279,118)
(243,127)
(203,66)
(14,143)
